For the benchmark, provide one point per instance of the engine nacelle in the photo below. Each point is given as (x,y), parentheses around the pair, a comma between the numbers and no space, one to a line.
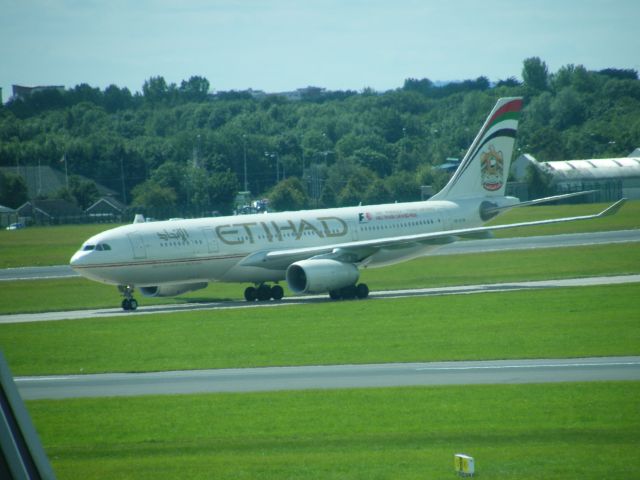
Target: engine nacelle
(172,290)
(320,275)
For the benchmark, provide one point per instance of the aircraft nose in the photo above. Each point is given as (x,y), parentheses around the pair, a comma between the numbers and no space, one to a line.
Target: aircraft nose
(77,259)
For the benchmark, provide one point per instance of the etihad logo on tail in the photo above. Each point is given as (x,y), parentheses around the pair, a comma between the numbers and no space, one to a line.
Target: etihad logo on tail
(492,169)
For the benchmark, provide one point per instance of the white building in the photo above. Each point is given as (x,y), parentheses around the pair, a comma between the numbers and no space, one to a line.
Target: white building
(614,178)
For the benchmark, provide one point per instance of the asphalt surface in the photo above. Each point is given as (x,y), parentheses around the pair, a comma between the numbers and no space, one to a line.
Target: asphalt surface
(456,248)
(331,377)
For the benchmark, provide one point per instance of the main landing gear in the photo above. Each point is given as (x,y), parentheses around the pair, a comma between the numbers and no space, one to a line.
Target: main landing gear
(360,291)
(263,293)
(128,303)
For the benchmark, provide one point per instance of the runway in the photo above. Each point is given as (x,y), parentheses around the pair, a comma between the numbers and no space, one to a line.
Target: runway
(288,301)
(456,248)
(331,377)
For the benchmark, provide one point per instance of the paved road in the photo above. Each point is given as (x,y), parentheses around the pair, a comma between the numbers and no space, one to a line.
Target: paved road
(331,377)
(469,246)
(418,292)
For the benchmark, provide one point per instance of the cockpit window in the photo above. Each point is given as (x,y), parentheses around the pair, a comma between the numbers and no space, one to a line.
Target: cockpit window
(88,248)
(103,246)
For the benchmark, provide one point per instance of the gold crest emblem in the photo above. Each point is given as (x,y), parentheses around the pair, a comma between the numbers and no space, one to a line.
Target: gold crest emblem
(491,169)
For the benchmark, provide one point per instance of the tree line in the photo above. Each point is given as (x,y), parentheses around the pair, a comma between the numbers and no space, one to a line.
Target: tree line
(179,150)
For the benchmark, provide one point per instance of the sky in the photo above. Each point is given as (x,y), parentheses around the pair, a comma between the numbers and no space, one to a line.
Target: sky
(283,45)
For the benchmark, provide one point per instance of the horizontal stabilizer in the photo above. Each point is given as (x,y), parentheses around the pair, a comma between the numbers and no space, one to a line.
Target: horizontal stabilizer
(492,211)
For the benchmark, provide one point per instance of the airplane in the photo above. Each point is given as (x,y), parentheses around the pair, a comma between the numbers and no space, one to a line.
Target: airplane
(314,251)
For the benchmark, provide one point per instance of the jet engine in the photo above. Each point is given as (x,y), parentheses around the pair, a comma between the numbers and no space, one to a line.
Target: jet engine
(320,275)
(172,290)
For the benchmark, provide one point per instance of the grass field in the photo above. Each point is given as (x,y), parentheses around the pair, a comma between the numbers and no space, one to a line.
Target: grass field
(628,217)
(569,322)
(568,431)
(37,246)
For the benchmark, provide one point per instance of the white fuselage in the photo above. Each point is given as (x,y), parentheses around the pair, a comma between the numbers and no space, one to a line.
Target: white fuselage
(212,249)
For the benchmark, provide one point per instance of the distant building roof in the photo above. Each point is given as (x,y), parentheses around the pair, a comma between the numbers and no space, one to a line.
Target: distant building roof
(594,168)
(20,91)
(4,209)
(45,180)
(588,169)
(49,208)
(451,164)
(105,204)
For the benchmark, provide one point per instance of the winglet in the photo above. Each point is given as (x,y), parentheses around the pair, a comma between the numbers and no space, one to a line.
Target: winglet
(613,209)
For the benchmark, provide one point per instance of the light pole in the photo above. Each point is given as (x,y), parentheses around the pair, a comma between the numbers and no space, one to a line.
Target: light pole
(124,194)
(274,155)
(244,149)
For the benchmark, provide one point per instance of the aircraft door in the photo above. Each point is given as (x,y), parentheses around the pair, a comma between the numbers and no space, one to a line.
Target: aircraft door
(443,220)
(353,226)
(137,245)
(212,241)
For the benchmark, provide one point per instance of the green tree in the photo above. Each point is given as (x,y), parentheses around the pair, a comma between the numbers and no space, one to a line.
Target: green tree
(567,109)
(223,187)
(377,192)
(539,110)
(195,89)
(433,176)
(173,176)
(535,74)
(154,200)
(13,190)
(81,191)
(116,99)
(289,194)
(155,89)
(403,187)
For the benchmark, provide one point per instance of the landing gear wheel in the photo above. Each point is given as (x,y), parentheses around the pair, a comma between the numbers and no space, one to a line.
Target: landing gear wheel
(277,292)
(362,290)
(250,294)
(348,293)
(264,293)
(129,304)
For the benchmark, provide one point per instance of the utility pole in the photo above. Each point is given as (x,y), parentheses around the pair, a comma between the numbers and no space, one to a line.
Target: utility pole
(124,192)
(66,172)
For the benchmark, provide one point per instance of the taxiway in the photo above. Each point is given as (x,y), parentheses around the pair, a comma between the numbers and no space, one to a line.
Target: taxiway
(331,377)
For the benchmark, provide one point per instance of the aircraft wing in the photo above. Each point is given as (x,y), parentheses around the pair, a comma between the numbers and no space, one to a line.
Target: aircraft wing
(360,250)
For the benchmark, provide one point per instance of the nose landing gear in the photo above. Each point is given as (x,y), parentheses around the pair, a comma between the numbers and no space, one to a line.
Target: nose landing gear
(128,303)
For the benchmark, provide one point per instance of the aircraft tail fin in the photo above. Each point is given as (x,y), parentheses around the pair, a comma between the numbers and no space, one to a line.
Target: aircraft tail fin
(484,169)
